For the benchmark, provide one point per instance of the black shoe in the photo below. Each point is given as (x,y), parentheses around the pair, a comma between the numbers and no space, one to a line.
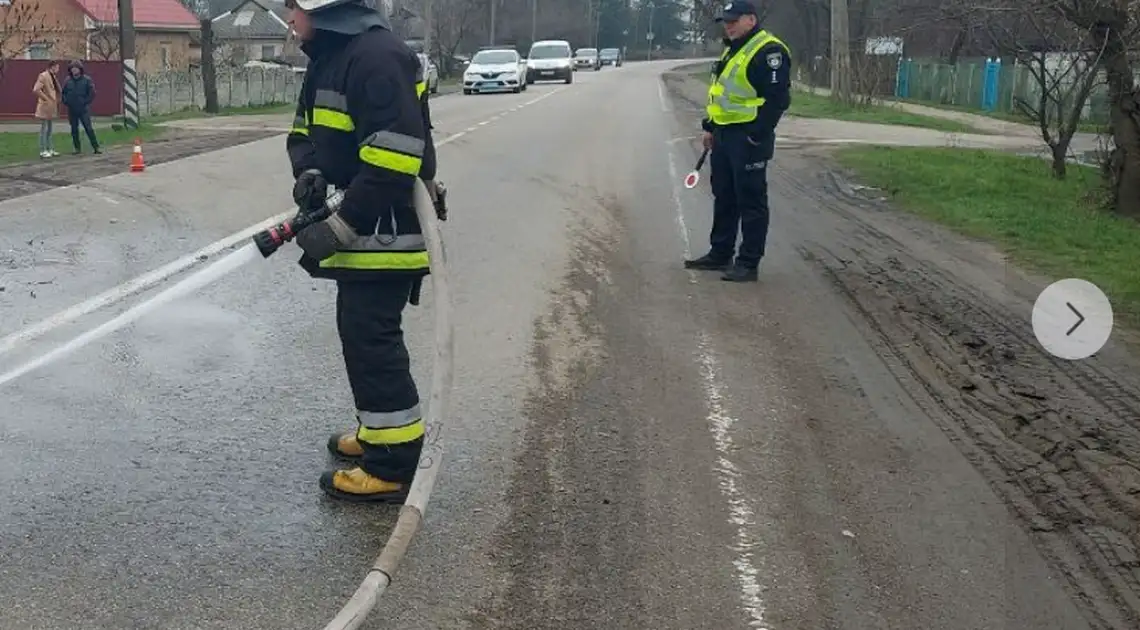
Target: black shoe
(707,263)
(741,273)
(98,151)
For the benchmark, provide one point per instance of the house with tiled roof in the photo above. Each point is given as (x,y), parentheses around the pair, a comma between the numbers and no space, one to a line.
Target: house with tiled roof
(88,30)
(251,30)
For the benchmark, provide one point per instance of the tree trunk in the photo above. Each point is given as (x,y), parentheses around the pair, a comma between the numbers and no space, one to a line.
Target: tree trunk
(209,70)
(1123,169)
(1060,151)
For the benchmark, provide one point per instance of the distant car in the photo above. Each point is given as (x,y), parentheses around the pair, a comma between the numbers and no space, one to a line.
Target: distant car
(550,60)
(587,58)
(431,73)
(495,70)
(610,57)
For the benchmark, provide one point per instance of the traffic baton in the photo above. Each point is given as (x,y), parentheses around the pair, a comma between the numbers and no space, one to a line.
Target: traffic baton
(694,176)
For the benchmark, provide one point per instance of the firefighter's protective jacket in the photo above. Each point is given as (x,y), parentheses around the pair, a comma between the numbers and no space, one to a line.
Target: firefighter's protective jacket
(359,120)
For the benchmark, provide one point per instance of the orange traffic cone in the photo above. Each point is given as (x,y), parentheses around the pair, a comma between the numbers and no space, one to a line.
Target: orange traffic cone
(137,164)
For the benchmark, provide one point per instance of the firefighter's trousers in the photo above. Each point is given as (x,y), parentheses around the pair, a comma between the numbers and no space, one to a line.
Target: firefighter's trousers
(391,430)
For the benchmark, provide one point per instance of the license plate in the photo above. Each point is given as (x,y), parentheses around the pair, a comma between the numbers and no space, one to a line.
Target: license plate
(546,73)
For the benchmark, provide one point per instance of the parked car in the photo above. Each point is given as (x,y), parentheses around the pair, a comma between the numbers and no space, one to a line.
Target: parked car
(431,73)
(495,70)
(610,57)
(550,60)
(587,58)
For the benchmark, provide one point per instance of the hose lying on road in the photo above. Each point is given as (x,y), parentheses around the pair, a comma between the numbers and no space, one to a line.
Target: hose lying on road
(412,512)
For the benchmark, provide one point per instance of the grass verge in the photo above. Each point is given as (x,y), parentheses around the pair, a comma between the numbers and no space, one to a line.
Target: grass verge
(1054,227)
(1085,127)
(19,146)
(808,105)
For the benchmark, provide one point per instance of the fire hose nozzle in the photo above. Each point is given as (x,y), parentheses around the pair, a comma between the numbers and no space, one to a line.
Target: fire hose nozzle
(271,239)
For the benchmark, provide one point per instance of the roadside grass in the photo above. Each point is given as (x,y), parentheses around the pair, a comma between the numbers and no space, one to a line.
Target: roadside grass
(23,146)
(20,146)
(1085,127)
(808,105)
(1054,227)
(247,110)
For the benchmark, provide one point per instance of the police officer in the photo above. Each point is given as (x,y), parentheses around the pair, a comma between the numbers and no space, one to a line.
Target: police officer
(360,127)
(749,92)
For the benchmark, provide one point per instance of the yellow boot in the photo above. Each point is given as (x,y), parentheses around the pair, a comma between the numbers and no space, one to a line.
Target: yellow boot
(345,445)
(357,486)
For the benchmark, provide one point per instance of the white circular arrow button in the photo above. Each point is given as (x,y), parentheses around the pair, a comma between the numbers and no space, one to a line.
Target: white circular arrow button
(1072,319)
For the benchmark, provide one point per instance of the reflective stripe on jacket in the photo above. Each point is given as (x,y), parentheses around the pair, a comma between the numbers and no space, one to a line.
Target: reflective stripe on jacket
(359,121)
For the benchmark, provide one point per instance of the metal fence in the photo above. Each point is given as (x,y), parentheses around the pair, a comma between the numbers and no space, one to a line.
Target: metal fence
(175,91)
(987,85)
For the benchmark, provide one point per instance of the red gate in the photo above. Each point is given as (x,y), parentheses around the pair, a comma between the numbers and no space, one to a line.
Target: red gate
(17,76)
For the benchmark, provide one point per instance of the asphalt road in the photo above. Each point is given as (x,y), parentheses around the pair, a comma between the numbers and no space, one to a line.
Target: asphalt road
(633,445)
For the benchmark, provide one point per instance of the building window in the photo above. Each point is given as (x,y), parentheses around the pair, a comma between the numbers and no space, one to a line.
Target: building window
(38,51)
(268,51)
(243,18)
(164,55)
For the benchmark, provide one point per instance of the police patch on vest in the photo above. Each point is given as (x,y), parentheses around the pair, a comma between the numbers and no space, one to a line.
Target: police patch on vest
(775,59)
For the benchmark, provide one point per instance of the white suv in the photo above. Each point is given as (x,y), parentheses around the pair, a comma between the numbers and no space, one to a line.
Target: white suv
(550,60)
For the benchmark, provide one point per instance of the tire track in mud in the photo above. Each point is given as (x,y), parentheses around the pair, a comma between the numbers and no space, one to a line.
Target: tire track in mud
(556,535)
(1059,443)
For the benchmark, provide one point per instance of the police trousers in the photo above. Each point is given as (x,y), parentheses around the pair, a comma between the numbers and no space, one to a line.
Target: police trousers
(739,182)
(369,319)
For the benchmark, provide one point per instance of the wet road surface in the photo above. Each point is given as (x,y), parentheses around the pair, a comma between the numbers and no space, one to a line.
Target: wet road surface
(633,445)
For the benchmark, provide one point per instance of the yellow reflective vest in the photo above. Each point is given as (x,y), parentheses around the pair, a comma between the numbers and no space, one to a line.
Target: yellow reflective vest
(732,98)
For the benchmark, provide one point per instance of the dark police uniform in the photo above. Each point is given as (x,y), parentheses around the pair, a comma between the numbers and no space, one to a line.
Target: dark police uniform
(749,93)
(360,127)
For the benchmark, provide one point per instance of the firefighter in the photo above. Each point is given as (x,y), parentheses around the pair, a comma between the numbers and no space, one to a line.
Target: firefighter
(749,92)
(359,127)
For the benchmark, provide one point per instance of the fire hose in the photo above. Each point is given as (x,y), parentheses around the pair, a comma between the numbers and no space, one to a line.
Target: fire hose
(411,516)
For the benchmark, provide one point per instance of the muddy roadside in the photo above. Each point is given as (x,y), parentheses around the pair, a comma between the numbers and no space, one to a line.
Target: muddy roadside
(26,178)
(1057,441)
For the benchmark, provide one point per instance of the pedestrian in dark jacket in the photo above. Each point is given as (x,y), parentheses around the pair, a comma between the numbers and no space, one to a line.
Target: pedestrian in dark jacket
(78,94)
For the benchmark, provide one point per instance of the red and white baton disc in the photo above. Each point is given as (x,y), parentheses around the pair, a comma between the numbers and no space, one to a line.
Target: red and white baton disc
(691,179)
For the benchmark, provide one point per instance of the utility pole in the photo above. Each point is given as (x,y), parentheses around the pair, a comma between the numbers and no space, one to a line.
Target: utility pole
(840,52)
(127,56)
(649,35)
(427,29)
(492,29)
(533,21)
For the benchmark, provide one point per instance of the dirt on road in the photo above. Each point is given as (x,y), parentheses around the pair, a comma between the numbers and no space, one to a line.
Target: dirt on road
(18,180)
(1058,441)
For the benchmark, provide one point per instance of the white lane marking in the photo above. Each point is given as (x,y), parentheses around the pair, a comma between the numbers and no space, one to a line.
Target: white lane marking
(673,176)
(720,423)
(661,95)
(151,278)
(681,139)
(109,200)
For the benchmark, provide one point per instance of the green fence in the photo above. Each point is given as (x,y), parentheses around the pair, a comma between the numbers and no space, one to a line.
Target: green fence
(962,85)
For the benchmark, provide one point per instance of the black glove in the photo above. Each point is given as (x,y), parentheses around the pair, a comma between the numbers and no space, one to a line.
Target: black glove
(321,240)
(310,190)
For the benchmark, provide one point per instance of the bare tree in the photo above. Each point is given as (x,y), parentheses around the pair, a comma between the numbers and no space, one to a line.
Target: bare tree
(22,23)
(1063,66)
(104,43)
(452,24)
(1107,30)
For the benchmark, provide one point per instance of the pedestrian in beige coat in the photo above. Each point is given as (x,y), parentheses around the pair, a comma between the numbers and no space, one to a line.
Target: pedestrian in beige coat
(47,93)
